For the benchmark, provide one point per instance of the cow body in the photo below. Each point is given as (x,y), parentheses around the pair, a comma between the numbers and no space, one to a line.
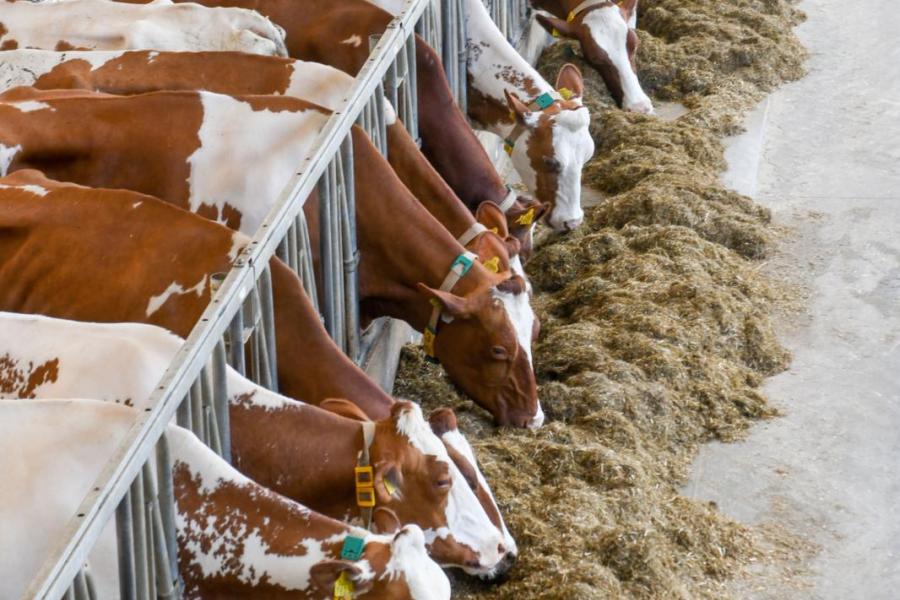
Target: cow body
(161,25)
(236,74)
(235,537)
(42,357)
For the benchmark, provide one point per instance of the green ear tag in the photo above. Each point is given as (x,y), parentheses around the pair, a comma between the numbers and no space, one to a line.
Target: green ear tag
(544,100)
(353,548)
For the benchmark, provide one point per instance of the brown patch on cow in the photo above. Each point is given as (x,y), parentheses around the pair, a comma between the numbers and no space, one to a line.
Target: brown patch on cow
(22,381)
(228,215)
(9,45)
(63,46)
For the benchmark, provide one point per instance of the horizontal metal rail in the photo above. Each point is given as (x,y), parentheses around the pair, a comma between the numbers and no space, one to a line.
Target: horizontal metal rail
(61,574)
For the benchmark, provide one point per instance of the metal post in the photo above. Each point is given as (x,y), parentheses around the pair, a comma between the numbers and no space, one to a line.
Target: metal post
(166,495)
(125,546)
(350,251)
(220,399)
(236,337)
(139,531)
(268,324)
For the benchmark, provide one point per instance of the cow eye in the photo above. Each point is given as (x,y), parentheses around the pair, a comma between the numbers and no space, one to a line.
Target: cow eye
(499,353)
(443,484)
(552,164)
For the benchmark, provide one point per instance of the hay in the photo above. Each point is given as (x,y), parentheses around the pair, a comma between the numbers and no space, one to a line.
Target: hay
(656,330)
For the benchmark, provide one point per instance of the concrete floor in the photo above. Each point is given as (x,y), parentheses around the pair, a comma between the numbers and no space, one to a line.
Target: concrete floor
(829,168)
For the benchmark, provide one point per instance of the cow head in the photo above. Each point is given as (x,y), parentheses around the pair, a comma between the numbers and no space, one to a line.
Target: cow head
(444,425)
(416,479)
(392,567)
(551,151)
(608,42)
(486,346)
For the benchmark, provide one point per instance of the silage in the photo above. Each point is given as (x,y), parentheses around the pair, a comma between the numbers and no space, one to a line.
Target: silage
(656,328)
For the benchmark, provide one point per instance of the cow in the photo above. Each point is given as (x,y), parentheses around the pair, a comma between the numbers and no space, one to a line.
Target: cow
(106,25)
(297,450)
(606,32)
(336,34)
(199,162)
(235,538)
(544,129)
(161,267)
(234,73)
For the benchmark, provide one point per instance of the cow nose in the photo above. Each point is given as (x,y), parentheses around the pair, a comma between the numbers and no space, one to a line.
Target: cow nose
(537,420)
(572,224)
(643,106)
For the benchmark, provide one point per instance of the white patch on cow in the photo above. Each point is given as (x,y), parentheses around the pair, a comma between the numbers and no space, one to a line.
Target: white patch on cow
(610,31)
(137,204)
(390,115)
(458,442)
(103,25)
(466,519)
(152,56)
(515,265)
(409,560)
(521,315)
(30,188)
(238,242)
(572,148)
(353,40)
(30,106)
(26,66)
(156,302)
(318,83)
(7,154)
(263,148)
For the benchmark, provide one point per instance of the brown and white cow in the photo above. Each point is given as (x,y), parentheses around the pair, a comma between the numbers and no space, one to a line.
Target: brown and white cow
(545,129)
(300,451)
(235,538)
(606,32)
(337,33)
(233,73)
(198,161)
(157,272)
(161,25)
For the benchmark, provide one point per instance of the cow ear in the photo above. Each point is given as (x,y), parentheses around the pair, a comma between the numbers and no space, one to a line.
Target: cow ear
(325,573)
(457,306)
(516,106)
(386,521)
(344,408)
(388,482)
(556,27)
(442,420)
(490,215)
(628,8)
(570,78)
(492,252)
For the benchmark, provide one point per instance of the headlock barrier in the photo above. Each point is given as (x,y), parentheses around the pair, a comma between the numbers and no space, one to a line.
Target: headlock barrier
(237,328)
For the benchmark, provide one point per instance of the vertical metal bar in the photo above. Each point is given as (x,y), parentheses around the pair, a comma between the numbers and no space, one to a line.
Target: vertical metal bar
(70,593)
(412,90)
(220,399)
(139,530)
(462,56)
(350,251)
(196,397)
(166,497)
(236,337)
(326,218)
(125,546)
(268,324)
(165,583)
(148,511)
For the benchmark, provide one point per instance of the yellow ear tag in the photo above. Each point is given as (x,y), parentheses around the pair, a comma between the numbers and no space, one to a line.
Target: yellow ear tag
(428,342)
(555,33)
(571,17)
(493,265)
(508,148)
(495,230)
(527,218)
(343,587)
(566,93)
(389,487)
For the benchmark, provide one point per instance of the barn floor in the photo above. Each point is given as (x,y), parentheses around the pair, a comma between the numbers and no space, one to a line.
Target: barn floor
(824,155)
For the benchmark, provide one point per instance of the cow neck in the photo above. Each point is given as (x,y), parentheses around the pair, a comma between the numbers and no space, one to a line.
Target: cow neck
(425,183)
(310,366)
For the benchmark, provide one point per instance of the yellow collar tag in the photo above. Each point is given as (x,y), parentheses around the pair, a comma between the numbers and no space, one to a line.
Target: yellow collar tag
(493,265)
(428,342)
(527,218)
(343,587)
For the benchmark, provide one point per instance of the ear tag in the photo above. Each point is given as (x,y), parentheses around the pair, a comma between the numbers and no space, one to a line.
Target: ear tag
(566,93)
(343,587)
(353,548)
(389,487)
(571,17)
(507,147)
(555,32)
(428,342)
(493,265)
(495,230)
(543,101)
(527,218)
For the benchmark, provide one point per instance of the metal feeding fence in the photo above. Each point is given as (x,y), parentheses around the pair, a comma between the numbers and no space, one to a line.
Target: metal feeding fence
(237,328)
